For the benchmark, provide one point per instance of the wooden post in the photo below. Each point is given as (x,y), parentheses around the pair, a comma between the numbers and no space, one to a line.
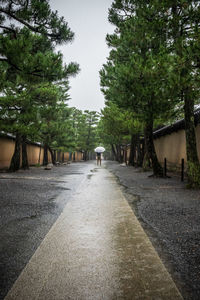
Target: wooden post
(182,169)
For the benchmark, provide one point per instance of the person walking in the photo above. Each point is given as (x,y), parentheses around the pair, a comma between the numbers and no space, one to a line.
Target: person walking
(98,159)
(98,151)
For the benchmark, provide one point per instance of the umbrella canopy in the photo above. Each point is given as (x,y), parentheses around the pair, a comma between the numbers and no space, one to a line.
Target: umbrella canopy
(99,149)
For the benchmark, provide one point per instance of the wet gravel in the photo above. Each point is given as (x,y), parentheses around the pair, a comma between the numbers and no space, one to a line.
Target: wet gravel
(30,203)
(170,215)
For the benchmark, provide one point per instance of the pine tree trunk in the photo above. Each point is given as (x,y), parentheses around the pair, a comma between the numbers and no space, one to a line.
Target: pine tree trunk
(146,163)
(86,156)
(119,156)
(118,153)
(25,164)
(140,152)
(58,156)
(74,156)
(125,155)
(15,161)
(137,151)
(70,156)
(193,166)
(53,159)
(114,152)
(45,158)
(157,169)
(55,155)
(132,151)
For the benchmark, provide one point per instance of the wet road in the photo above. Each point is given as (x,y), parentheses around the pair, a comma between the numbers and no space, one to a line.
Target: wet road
(30,203)
(95,250)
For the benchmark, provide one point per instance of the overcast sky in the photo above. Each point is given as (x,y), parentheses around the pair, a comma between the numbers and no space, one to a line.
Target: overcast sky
(88,19)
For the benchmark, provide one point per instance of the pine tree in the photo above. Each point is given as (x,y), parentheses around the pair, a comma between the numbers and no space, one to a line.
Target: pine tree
(114,126)
(87,132)
(29,33)
(135,76)
(182,26)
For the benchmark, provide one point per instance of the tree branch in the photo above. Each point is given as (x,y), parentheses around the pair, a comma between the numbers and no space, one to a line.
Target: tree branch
(10,63)
(9,29)
(32,28)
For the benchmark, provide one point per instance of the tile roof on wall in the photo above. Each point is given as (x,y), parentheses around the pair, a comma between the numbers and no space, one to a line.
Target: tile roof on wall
(179,125)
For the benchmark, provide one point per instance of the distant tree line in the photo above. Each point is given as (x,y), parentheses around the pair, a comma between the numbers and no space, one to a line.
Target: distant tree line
(152,75)
(85,131)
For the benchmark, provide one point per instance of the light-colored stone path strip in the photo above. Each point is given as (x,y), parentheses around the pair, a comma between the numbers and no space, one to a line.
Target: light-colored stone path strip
(96,250)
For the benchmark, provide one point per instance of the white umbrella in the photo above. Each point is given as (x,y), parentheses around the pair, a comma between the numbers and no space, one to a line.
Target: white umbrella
(99,149)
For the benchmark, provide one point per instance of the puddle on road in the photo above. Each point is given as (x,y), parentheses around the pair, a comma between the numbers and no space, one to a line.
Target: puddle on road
(94,170)
(75,173)
(28,217)
(63,188)
(53,179)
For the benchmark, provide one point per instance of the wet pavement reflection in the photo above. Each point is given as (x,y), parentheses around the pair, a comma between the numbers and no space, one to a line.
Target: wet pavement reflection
(95,250)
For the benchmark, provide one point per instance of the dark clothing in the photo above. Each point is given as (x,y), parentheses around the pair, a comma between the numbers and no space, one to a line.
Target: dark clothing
(98,158)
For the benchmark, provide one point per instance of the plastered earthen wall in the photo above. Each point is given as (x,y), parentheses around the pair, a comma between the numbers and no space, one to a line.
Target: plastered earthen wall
(173,147)
(35,154)
(7,147)
(78,156)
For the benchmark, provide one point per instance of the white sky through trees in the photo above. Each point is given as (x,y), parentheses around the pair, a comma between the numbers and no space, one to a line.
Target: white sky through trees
(88,19)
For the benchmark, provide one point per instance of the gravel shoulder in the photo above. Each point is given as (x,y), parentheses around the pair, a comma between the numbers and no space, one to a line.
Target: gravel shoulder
(169,213)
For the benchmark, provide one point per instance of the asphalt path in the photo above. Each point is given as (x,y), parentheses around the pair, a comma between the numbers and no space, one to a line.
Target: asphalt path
(30,203)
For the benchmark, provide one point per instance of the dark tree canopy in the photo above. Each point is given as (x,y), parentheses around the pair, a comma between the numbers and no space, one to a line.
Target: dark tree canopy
(35,15)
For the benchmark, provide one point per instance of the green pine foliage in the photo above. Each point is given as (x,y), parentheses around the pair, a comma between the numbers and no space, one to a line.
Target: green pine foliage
(34,81)
(85,130)
(113,129)
(35,15)
(153,67)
